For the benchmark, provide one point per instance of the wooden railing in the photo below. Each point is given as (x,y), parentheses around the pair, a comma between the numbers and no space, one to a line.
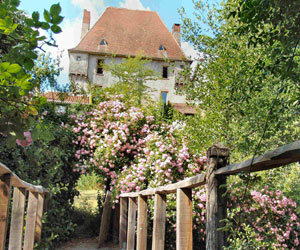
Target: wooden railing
(132,204)
(10,182)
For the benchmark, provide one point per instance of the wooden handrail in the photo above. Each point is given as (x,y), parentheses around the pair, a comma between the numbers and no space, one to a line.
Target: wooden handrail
(214,177)
(17,182)
(11,182)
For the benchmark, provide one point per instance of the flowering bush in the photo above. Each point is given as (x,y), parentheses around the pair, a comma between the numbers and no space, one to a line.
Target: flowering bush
(132,152)
(268,216)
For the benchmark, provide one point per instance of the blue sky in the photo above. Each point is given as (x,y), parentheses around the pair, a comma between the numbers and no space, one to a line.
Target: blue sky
(72,10)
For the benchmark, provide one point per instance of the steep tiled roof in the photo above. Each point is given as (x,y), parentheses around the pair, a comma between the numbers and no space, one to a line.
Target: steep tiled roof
(184,108)
(65,98)
(127,32)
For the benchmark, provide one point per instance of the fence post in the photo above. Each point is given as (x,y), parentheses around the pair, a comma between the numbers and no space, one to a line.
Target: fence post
(142,223)
(131,223)
(215,204)
(184,221)
(123,222)
(105,220)
(31,221)
(159,222)
(5,189)
(17,219)
(39,217)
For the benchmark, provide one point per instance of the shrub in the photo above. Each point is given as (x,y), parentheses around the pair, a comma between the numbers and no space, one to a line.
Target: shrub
(50,164)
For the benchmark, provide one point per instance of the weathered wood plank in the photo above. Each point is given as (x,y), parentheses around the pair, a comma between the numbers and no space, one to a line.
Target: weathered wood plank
(5,190)
(215,208)
(17,219)
(142,223)
(159,222)
(123,223)
(105,220)
(191,182)
(31,221)
(39,217)
(184,222)
(131,224)
(279,157)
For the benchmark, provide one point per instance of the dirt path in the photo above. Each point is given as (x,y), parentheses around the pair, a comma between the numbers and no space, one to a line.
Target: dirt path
(86,244)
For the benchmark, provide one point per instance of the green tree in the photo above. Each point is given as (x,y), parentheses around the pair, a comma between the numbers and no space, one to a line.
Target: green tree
(19,45)
(244,90)
(132,73)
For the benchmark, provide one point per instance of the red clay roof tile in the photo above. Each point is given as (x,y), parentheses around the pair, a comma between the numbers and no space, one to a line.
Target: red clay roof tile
(129,31)
(68,99)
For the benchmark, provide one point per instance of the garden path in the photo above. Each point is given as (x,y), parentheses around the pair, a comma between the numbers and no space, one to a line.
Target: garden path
(87,244)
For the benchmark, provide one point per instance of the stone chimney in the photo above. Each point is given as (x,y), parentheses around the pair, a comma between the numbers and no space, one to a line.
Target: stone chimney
(176,33)
(85,23)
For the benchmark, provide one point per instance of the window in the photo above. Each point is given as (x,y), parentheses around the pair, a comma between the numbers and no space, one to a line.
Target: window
(165,72)
(161,47)
(100,63)
(164,97)
(78,58)
(103,42)
(182,66)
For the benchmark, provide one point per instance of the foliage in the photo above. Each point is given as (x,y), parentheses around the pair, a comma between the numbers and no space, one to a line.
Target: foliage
(265,219)
(131,73)
(20,40)
(244,90)
(49,163)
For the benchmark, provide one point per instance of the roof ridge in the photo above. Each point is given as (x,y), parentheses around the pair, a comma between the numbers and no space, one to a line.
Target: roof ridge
(112,7)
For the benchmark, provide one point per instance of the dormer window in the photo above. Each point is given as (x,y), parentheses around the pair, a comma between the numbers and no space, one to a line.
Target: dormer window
(161,47)
(103,42)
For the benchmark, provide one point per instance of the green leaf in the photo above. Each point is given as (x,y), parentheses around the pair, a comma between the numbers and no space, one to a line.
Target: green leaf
(29,22)
(28,64)
(55,10)
(32,55)
(15,3)
(14,68)
(45,26)
(33,110)
(35,16)
(47,16)
(57,19)
(56,29)
(4,65)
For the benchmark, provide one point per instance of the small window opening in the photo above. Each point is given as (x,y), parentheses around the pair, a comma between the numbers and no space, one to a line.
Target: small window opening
(165,72)
(182,66)
(103,42)
(161,47)
(78,58)
(100,66)
(164,97)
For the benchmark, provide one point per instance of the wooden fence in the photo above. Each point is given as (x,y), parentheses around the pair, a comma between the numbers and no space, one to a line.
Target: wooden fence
(134,205)
(8,182)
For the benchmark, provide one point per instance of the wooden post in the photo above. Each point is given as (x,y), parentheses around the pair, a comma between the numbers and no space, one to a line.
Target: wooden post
(184,221)
(105,220)
(142,223)
(5,189)
(17,219)
(123,223)
(31,221)
(215,203)
(159,222)
(131,224)
(39,217)
(116,223)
